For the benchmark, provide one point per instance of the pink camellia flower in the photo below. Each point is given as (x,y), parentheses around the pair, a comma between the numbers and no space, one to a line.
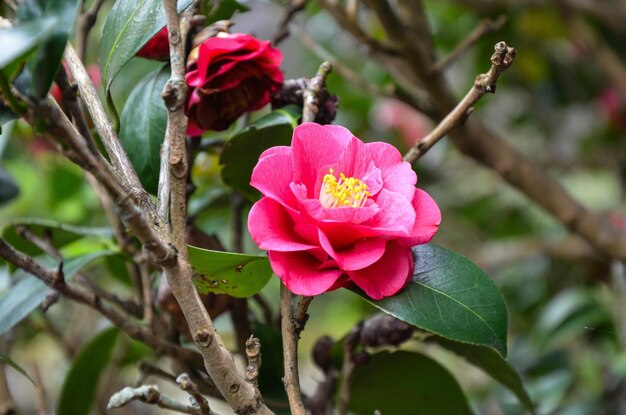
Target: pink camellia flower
(157,48)
(338,211)
(228,75)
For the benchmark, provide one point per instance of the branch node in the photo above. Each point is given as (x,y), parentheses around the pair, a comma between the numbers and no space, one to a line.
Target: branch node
(253,352)
(203,338)
(174,94)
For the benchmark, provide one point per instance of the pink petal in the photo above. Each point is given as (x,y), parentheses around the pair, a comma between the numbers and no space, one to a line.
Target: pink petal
(355,162)
(272,176)
(302,273)
(314,146)
(397,175)
(276,150)
(387,276)
(344,215)
(272,228)
(427,219)
(361,254)
(396,214)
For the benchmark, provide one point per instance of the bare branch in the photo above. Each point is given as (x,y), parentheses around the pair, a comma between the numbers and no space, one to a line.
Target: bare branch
(347,368)
(85,22)
(501,59)
(51,279)
(242,396)
(312,92)
(174,94)
(292,324)
(188,386)
(149,394)
(119,160)
(293,8)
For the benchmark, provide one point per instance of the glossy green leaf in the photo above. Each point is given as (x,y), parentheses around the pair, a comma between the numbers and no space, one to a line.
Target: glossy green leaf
(47,58)
(142,131)
(492,363)
(452,297)
(81,382)
(8,187)
(7,361)
(129,26)
(19,40)
(242,151)
(405,383)
(237,275)
(29,292)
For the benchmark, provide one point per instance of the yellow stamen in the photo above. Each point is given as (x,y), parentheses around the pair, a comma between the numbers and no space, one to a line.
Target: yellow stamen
(345,192)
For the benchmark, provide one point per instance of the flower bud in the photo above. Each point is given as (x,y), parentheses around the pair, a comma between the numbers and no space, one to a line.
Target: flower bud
(228,75)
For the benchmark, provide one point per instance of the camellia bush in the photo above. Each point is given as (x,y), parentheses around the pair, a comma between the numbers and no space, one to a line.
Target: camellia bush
(198,219)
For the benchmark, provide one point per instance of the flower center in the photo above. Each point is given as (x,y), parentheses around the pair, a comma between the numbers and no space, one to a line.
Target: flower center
(345,192)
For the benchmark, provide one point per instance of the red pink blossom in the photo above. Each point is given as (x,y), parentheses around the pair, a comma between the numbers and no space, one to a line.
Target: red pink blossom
(336,211)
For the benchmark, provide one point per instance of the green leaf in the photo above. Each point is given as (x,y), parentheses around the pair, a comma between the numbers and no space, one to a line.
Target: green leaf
(79,388)
(405,383)
(452,297)
(8,187)
(29,292)
(19,40)
(60,233)
(144,121)
(492,364)
(225,9)
(237,275)
(129,26)
(242,151)
(47,59)
(7,361)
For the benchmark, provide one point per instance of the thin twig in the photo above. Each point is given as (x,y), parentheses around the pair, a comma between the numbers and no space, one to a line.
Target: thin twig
(149,394)
(146,293)
(70,100)
(51,278)
(85,22)
(188,386)
(485,27)
(501,59)
(119,160)
(292,324)
(312,91)
(292,9)
(45,244)
(347,368)
(388,91)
